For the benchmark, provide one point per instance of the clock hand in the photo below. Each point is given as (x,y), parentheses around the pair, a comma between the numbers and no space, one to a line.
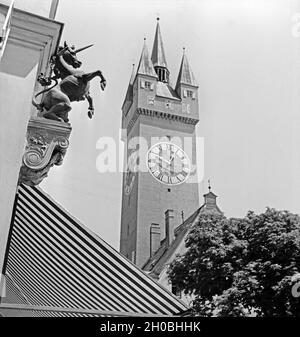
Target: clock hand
(163,159)
(172,158)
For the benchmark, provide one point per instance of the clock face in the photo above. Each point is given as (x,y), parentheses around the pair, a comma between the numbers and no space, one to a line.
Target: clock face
(130,172)
(168,163)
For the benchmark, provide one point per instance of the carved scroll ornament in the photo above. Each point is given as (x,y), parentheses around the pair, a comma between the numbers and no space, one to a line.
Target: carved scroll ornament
(47,142)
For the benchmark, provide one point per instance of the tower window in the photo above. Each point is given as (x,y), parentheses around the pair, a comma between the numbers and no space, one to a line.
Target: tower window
(189,93)
(147,85)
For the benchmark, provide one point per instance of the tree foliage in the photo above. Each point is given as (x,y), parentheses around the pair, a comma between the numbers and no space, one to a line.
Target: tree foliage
(241,267)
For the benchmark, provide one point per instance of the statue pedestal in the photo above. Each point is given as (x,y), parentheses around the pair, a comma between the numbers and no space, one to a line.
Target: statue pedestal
(47,142)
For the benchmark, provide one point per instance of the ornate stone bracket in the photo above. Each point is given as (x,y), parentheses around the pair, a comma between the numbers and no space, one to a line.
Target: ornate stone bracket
(47,142)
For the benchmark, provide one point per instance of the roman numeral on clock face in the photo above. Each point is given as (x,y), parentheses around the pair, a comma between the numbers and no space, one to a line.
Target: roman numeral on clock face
(180,177)
(156,173)
(184,173)
(160,176)
(174,180)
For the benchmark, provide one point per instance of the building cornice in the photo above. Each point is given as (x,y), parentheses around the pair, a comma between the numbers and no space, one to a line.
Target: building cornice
(34,32)
(166,115)
(159,115)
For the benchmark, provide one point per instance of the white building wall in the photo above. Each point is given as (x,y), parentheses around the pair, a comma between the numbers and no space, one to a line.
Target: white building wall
(15,105)
(39,7)
(30,43)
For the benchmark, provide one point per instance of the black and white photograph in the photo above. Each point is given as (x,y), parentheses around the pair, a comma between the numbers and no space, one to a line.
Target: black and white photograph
(149,164)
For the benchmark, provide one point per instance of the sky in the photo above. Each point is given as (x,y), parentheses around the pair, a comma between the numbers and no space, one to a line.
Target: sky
(245,55)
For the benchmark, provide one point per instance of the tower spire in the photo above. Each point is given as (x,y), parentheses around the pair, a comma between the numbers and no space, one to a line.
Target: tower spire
(145,66)
(185,75)
(158,56)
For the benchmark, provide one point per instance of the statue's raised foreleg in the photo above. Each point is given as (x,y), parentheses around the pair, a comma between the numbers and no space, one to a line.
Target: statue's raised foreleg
(88,77)
(91,107)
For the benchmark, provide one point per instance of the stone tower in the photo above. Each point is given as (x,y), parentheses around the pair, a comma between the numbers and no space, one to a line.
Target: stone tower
(163,117)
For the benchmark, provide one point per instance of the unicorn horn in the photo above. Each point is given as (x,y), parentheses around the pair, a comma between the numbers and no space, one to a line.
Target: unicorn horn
(81,49)
(61,51)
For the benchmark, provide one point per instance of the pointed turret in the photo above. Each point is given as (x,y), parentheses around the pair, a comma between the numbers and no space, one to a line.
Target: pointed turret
(133,73)
(185,75)
(129,93)
(158,56)
(145,66)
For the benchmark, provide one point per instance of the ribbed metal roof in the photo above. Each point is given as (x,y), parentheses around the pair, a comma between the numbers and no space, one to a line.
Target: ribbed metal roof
(55,262)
